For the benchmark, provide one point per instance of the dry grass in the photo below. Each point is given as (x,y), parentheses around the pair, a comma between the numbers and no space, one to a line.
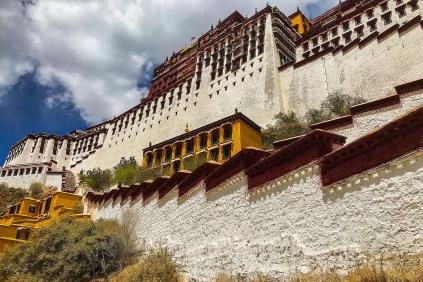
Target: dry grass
(395,269)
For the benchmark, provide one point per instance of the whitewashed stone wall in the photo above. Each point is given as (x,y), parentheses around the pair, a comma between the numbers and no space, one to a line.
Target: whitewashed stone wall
(289,224)
(369,72)
(367,122)
(252,90)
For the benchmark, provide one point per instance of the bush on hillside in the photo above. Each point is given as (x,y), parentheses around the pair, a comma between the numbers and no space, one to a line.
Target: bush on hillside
(287,125)
(128,172)
(156,265)
(10,195)
(70,181)
(68,250)
(36,190)
(97,179)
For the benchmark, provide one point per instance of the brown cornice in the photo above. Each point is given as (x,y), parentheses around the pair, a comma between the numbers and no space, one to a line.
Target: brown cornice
(138,189)
(350,45)
(313,57)
(369,38)
(241,161)
(409,24)
(285,66)
(375,104)
(333,123)
(293,156)
(389,142)
(196,176)
(409,87)
(174,180)
(284,142)
(387,32)
(154,186)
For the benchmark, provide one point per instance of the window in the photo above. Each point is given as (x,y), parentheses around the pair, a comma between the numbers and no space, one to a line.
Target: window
(214,154)
(178,150)
(203,141)
(40,169)
(227,133)
(32,208)
(372,26)
(28,171)
(334,31)
(324,37)
(401,11)
(357,20)
(315,41)
(168,154)
(347,38)
(215,137)
(3,173)
(387,18)
(190,146)
(149,160)
(176,166)
(370,13)
(384,6)
(158,157)
(359,31)
(305,46)
(226,152)
(346,25)
(413,5)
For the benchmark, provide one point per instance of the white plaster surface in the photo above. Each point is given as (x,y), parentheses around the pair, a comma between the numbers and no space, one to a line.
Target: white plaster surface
(287,225)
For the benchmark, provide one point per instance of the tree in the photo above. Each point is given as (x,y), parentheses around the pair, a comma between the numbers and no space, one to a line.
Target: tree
(97,179)
(69,250)
(10,195)
(125,172)
(36,190)
(70,181)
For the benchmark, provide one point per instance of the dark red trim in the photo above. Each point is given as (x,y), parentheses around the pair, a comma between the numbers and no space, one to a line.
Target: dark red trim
(387,32)
(196,176)
(287,65)
(138,189)
(297,154)
(375,105)
(313,57)
(153,187)
(391,141)
(174,180)
(337,49)
(368,39)
(241,161)
(409,24)
(350,45)
(282,143)
(129,191)
(333,123)
(409,87)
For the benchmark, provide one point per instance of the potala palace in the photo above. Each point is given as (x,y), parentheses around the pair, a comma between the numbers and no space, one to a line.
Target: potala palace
(352,186)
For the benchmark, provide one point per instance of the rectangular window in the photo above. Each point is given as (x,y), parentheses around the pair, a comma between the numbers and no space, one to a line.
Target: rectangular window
(214,154)
(226,152)
(203,141)
(32,208)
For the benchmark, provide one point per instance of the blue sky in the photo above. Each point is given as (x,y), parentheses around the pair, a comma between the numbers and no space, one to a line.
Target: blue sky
(65,65)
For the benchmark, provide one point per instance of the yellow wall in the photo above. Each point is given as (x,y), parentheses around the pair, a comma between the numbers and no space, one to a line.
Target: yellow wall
(61,203)
(302,22)
(243,135)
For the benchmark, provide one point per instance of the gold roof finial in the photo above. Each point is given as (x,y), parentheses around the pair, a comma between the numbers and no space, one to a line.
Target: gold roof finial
(186,128)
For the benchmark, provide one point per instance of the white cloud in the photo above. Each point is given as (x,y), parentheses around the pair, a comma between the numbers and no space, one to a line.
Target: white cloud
(98,49)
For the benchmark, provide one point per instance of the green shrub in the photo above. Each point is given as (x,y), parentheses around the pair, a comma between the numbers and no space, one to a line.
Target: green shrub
(68,250)
(155,266)
(287,125)
(36,190)
(10,195)
(97,178)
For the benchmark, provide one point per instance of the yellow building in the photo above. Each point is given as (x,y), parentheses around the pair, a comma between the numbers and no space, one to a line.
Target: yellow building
(217,141)
(300,22)
(20,219)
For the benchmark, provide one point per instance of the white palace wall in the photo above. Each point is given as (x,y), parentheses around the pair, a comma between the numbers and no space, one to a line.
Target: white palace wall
(369,72)
(288,224)
(253,90)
